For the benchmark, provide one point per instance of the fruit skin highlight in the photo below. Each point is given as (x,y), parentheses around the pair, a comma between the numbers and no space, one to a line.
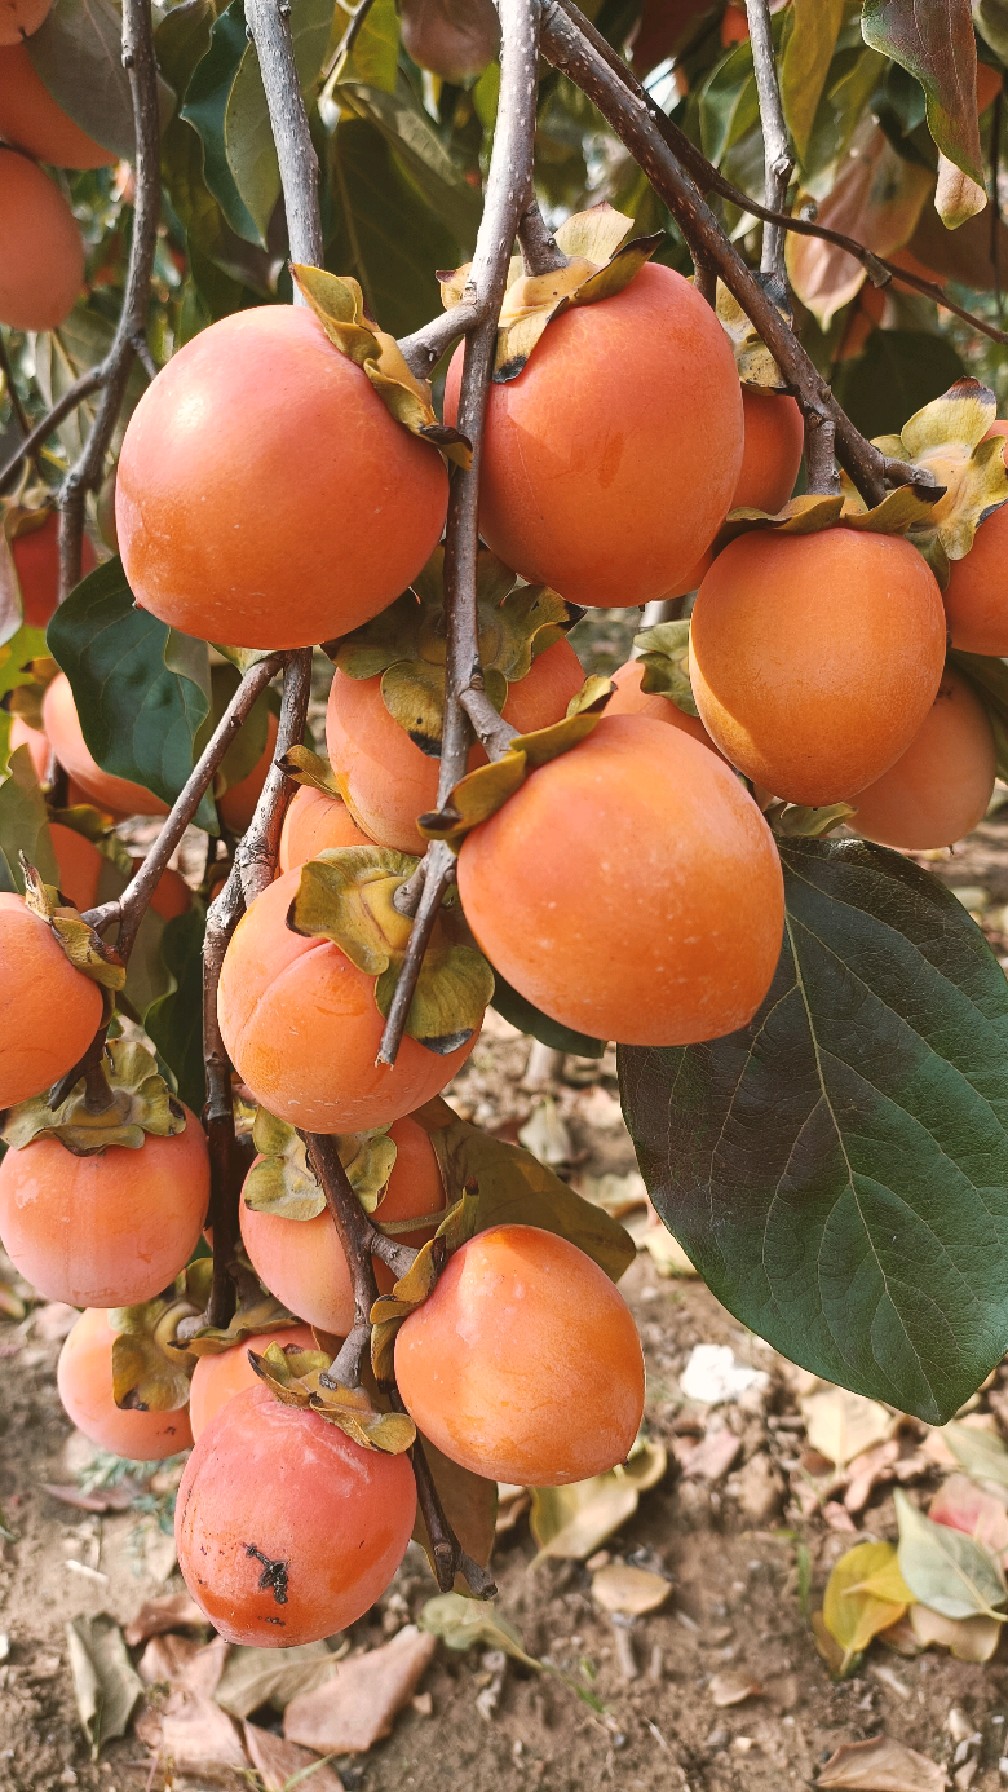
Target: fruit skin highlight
(939,789)
(117,796)
(286,1530)
(49,1012)
(84,1383)
(656,912)
(524,1364)
(976,596)
(815,659)
(314,507)
(621,405)
(41,248)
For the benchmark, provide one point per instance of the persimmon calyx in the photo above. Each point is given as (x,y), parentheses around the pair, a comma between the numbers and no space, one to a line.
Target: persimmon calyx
(950,439)
(284,1183)
(756,365)
(158,1342)
(664,653)
(299,1378)
(142,1105)
(339,306)
(84,948)
(793,821)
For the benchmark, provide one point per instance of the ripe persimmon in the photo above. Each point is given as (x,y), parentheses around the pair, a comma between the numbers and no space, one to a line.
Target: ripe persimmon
(50,1011)
(976,596)
(524,1364)
(630,889)
(36,562)
(628,699)
(774,441)
(286,1530)
(314,822)
(389,778)
(79,864)
(939,789)
(32,120)
(117,796)
(236,806)
(303,1262)
(41,249)
(19,18)
(302,1028)
(315,507)
(217,1379)
(734,26)
(23,735)
(110,1229)
(172,896)
(622,405)
(814,659)
(84,1382)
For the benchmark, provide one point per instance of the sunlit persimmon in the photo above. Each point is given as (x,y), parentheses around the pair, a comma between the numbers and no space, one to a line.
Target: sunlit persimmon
(236,805)
(84,1382)
(286,1530)
(391,780)
(976,596)
(628,699)
(41,249)
(49,1011)
(654,912)
(940,787)
(774,441)
(110,1229)
(814,659)
(313,823)
(36,561)
(118,796)
(302,1028)
(217,1379)
(609,463)
(39,750)
(302,1261)
(19,18)
(524,1365)
(315,507)
(79,864)
(32,120)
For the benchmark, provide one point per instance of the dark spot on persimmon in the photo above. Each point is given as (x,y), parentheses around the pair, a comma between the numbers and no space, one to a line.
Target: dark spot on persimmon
(273,1578)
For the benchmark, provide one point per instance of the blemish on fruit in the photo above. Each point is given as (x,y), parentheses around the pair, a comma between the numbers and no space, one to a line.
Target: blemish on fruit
(273,1578)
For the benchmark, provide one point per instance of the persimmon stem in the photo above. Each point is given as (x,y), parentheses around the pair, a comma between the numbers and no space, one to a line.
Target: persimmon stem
(86,473)
(490,727)
(361,1241)
(438,868)
(778,160)
(541,253)
(449,1558)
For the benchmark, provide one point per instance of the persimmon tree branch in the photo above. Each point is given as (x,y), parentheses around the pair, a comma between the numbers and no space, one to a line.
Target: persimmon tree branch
(778,160)
(74,395)
(361,1240)
(541,253)
(86,473)
(269,23)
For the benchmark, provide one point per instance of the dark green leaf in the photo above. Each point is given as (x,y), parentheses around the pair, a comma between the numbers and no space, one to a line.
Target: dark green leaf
(78,53)
(23,825)
(175,1021)
(934,41)
(421,156)
(899,372)
(248,137)
(729,106)
(205,105)
(141,689)
(539,1026)
(838,1170)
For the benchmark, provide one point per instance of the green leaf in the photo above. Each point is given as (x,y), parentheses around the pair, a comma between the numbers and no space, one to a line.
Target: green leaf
(900,371)
(945,1569)
(808,53)
(838,1170)
(61,356)
(729,105)
(175,1021)
(248,136)
(141,689)
(205,106)
(991,20)
(23,826)
(463,1623)
(420,155)
(77,52)
(934,41)
(539,1026)
(981,1453)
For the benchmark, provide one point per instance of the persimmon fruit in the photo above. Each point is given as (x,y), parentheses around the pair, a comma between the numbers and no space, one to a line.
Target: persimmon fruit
(50,1011)
(236,805)
(217,1379)
(110,1229)
(172,896)
(524,1364)
(773,444)
(117,796)
(939,789)
(36,561)
(84,1383)
(734,26)
(313,823)
(79,864)
(19,18)
(622,405)
(302,1028)
(390,779)
(315,507)
(654,912)
(286,1530)
(40,752)
(32,120)
(302,1262)
(41,249)
(976,596)
(628,699)
(814,659)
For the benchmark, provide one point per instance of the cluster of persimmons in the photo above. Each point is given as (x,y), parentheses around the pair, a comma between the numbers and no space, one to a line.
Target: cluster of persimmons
(629,887)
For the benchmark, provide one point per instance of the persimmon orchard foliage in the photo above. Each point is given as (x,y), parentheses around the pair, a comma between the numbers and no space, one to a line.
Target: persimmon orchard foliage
(239,457)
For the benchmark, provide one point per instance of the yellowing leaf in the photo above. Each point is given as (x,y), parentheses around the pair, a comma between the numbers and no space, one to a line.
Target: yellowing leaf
(958,197)
(852,1613)
(808,52)
(463,1623)
(841,1425)
(571,1522)
(981,1453)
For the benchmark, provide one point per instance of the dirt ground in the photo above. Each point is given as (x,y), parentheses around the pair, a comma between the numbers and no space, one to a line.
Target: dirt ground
(722,1690)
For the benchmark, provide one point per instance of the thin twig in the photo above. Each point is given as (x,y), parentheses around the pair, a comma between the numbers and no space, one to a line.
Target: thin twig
(14,396)
(432,879)
(541,254)
(424,349)
(74,395)
(489,725)
(361,1241)
(449,1558)
(778,160)
(269,23)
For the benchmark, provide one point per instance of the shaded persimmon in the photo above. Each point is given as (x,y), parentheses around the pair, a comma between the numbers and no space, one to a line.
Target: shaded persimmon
(110,1229)
(49,1011)
(302,1028)
(315,507)
(734,26)
(23,735)
(453,38)
(621,405)
(390,779)
(79,864)
(84,1383)
(236,805)
(939,789)
(19,18)
(814,659)
(976,596)
(313,823)
(286,1530)
(36,561)
(630,889)
(524,1364)
(32,120)
(217,1379)
(172,896)
(117,796)
(303,1262)
(774,441)
(629,700)
(41,248)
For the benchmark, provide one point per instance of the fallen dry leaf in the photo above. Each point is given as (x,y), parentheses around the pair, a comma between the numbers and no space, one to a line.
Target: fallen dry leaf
(52,1322)
(104,1499)
(106,1686)
(195,1733)
(962,1505)
(666,1252)
(255,1677)
(867,1471)
(462,1623)
(512,1505)
(880,1766)
(629,1592)
(359,1704)
(546,1134)
(571,1522)
(170,1611)
(711,1458)
(968,1639)
(842,1426)
(282,1766)
(733,1687)
(183,1661)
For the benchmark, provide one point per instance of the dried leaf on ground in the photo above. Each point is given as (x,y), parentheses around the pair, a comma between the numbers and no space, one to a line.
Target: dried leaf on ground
(981,1453)
(360,1702)
(867,1471)
(962,1505)
(968,1639)
(463,1623)
(512,1505)
(711,1458)
(666,1252)
(864,1596)
(618,1195)
(172,1611)
(185,1662)
(284,1767)
(713,1376)
(880,1766)
(946,1569)
(629,1592)
(733,1687)
(571,1522)
(196,1734)
(547,1135)
(842,1426)
(106,1687)
(117,1498)
(256,1677)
